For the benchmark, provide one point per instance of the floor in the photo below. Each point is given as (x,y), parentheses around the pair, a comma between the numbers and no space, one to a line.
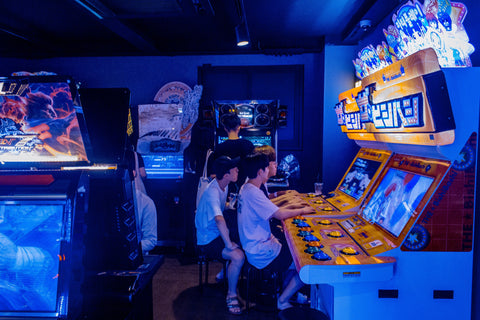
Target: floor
(177,296)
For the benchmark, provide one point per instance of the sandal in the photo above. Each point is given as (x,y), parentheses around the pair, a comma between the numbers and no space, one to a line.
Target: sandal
(234,306)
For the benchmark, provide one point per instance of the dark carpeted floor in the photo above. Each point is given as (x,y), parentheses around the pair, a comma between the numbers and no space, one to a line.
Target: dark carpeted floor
(177,296)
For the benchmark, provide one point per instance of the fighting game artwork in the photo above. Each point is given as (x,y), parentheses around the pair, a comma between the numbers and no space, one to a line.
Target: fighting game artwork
(39,124)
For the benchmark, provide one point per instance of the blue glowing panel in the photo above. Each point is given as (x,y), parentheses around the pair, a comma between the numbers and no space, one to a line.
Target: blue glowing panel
(395,199)
(30,238)
(260,140)
(163,166)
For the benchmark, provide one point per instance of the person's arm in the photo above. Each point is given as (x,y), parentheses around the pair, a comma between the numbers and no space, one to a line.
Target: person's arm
(141,166)
(142,172)
(284,213)
(149,225)
(283,199)
(225,233)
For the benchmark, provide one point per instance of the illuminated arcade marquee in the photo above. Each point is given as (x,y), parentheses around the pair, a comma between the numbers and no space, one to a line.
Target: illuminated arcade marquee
(395,104)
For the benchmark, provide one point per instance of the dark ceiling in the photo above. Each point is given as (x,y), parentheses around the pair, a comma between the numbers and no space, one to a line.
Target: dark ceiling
(79,28)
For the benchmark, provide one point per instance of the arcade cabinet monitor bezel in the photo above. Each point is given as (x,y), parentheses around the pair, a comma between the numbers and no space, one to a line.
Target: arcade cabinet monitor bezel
(435,169)
(371,155)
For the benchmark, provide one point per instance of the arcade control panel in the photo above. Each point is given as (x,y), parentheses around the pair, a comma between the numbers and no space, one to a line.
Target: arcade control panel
(323,207)
(317,242)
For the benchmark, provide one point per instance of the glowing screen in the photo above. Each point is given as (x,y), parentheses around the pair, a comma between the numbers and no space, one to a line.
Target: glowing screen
(358,177)
(30,237)
(39,124)
(395,199)
(163,166)
(256,140)
(245,113)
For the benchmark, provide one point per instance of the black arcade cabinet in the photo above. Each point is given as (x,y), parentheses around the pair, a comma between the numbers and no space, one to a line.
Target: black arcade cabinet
(61,211)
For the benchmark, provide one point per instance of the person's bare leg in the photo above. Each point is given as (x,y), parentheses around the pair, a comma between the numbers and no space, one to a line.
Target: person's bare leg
(234,268)
(293,286)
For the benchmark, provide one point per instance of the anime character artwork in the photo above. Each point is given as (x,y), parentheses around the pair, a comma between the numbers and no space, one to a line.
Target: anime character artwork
(40,125)
(395,199)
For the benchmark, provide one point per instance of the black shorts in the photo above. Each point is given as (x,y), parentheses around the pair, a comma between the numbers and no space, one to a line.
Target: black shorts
(213,249)
(282,262)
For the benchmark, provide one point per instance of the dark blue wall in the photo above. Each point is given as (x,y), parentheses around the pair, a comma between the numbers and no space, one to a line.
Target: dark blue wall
(144,76)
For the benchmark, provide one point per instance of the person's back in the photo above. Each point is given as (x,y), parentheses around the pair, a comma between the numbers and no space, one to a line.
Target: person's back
(234,147)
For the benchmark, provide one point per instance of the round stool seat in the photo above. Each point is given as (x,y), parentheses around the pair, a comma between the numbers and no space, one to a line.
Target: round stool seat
(296,313)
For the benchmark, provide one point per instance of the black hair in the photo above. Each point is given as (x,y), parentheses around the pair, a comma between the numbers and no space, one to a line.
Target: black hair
(220,172)
(268,150)
(129,160)
(230,121)
(255,162)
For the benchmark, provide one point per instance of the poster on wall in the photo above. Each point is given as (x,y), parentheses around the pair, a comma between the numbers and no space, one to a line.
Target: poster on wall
(159,129)
(165,129)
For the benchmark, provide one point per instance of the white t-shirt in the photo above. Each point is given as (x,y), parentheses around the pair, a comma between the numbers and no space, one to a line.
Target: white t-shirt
(254,213)
(146,221)
(212,203)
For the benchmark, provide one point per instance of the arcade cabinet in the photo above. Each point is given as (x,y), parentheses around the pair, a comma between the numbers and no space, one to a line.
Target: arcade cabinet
(353,188)
(43,198)
(258,120)
(119,277)
(407,251)
(259,124)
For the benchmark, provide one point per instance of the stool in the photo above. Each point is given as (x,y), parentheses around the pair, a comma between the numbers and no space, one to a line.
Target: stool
(271,279)
(203,260)
(296,313)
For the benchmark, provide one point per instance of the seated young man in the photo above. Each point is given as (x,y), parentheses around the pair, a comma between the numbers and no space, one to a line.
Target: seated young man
(146,212)
(254,212)
(212,232)
(279,198)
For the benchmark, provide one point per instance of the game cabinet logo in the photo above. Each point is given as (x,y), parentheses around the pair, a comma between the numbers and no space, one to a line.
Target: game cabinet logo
(404,112)
(39,124)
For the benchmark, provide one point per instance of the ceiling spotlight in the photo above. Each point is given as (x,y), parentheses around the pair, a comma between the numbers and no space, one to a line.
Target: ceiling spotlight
(243,37)
(241,30)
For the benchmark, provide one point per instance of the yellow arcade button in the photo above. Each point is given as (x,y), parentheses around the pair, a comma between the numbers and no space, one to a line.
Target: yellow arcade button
(348,250)
(325,222)
(335,234)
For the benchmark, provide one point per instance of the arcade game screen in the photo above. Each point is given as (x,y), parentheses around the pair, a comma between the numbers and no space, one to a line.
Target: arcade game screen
(39,124)
(245,113)
(256,140)
(30,237)
(163,166)
(395,199)
(358,177)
